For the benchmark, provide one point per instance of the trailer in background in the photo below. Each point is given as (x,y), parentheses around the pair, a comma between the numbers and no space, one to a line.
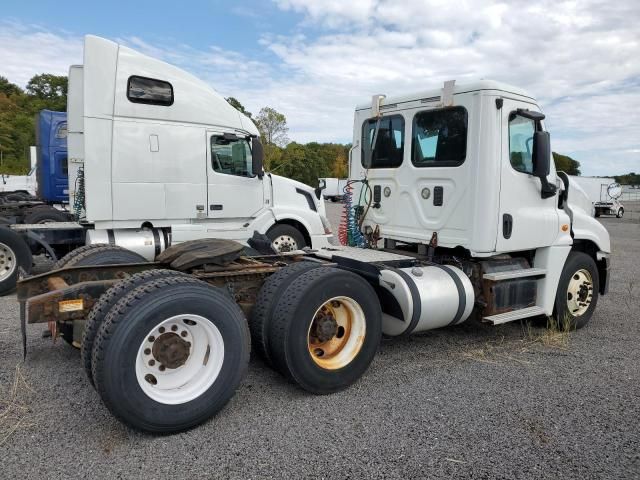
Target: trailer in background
(603,193)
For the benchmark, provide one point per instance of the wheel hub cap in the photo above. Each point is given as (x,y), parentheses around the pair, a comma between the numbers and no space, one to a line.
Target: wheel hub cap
(579,292)
(7,261)
(336,333)
(170,350)
(284,243)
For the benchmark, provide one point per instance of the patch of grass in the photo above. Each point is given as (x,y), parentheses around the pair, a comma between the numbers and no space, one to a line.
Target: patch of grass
(556,335)
(15,412)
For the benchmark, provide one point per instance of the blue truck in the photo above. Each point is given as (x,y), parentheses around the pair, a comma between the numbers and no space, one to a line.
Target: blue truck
(50,173)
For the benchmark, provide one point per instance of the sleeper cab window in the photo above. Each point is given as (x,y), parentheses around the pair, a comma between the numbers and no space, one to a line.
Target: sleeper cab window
(149,91)
(231,156)
(521,142)
(440,138)
(388,133)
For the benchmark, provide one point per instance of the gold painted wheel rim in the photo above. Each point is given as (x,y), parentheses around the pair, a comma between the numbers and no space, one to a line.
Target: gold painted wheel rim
(579,292)
(336,333)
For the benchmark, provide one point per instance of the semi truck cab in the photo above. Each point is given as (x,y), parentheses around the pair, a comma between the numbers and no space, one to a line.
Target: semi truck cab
(466,169)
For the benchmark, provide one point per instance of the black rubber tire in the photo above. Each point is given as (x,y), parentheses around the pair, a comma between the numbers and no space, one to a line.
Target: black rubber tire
(575,261)
(597,214)
(45,214)
(125,327)
(17,247)
(282,229)
(99,255)
(106,302)
(94,255)
(620,213)
(266,301)
(292,318)
(68,258)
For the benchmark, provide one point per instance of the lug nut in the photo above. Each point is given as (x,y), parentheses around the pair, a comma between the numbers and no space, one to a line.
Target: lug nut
(152,363)
(183,333)
(147,351)
(161,329)
(152,338)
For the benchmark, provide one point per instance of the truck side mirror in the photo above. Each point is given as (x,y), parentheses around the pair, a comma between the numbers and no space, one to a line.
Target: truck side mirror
(541,154)
(322,184)
(257,157)
(541,157)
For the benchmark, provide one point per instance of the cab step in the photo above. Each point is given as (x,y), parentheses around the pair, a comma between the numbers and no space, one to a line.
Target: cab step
(511,274)
(514,315)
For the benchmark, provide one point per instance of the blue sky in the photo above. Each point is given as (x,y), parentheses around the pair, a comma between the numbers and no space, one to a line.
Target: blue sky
(314,60)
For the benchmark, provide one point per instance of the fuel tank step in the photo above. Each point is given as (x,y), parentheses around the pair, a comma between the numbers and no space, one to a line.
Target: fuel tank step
(514,315)
(511,274)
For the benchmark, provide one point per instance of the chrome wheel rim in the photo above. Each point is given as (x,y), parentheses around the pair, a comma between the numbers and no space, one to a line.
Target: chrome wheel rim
(8,262)
(336,333)
(284,243)
(179,359)
(579,292)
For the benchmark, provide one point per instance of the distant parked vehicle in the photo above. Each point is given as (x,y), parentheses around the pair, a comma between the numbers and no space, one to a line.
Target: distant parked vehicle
(603,193)
(334,190)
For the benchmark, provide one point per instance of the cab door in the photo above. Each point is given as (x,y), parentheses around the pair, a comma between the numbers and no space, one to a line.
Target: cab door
(232,191)
(526,220)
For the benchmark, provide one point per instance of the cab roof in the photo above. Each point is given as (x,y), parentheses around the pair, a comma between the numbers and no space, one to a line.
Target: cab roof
(481,85)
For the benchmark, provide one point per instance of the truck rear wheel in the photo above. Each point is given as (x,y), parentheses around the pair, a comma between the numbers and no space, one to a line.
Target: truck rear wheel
(326,329)
(14,254)
(45,214)
(98,254)
(620,213)
(286,238)
(104,304)
(170,354)
(577,293)
(93,255)
(266,302)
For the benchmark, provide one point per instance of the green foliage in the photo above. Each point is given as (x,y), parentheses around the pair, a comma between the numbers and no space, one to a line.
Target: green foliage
(17,117)
(566,164)
(306,163)
(273,127)
(628,179)
(235,103)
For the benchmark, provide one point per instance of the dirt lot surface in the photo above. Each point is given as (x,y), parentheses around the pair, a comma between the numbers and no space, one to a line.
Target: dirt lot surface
(470,402)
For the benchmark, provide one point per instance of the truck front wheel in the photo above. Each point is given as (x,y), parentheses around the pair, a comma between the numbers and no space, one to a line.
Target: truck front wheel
(326,329)
(170,354)
(286,238)
(577,293)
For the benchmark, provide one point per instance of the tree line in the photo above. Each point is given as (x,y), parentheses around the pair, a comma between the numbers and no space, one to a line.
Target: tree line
(18,109)
(303,162)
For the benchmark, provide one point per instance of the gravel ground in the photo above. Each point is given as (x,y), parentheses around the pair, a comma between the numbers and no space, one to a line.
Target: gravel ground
(472,401)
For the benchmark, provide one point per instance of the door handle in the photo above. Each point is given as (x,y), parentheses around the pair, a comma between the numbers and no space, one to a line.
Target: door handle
(215,207)
(507,225)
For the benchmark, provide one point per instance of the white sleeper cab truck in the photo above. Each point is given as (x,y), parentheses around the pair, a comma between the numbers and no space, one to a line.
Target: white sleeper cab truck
(453,212)
(157,157)
(162,153)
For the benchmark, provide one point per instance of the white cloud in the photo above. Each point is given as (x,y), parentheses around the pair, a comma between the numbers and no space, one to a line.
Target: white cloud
(27,50)
(578,58)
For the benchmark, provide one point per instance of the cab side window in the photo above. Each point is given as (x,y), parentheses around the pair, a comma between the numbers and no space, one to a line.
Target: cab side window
(231,156)
(521,142)
(388,135)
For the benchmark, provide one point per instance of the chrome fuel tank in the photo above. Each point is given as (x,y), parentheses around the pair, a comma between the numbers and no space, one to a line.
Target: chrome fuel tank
(417,299)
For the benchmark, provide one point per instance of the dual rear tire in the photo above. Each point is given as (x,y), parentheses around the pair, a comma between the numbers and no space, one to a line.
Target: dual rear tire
(319,326)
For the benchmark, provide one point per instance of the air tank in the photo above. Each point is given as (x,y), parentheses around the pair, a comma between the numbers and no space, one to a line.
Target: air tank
(417,299)
(148,242)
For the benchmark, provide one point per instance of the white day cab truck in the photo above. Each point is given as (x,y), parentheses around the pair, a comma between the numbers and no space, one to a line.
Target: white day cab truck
(156,157)
(604,193)
(462,217)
